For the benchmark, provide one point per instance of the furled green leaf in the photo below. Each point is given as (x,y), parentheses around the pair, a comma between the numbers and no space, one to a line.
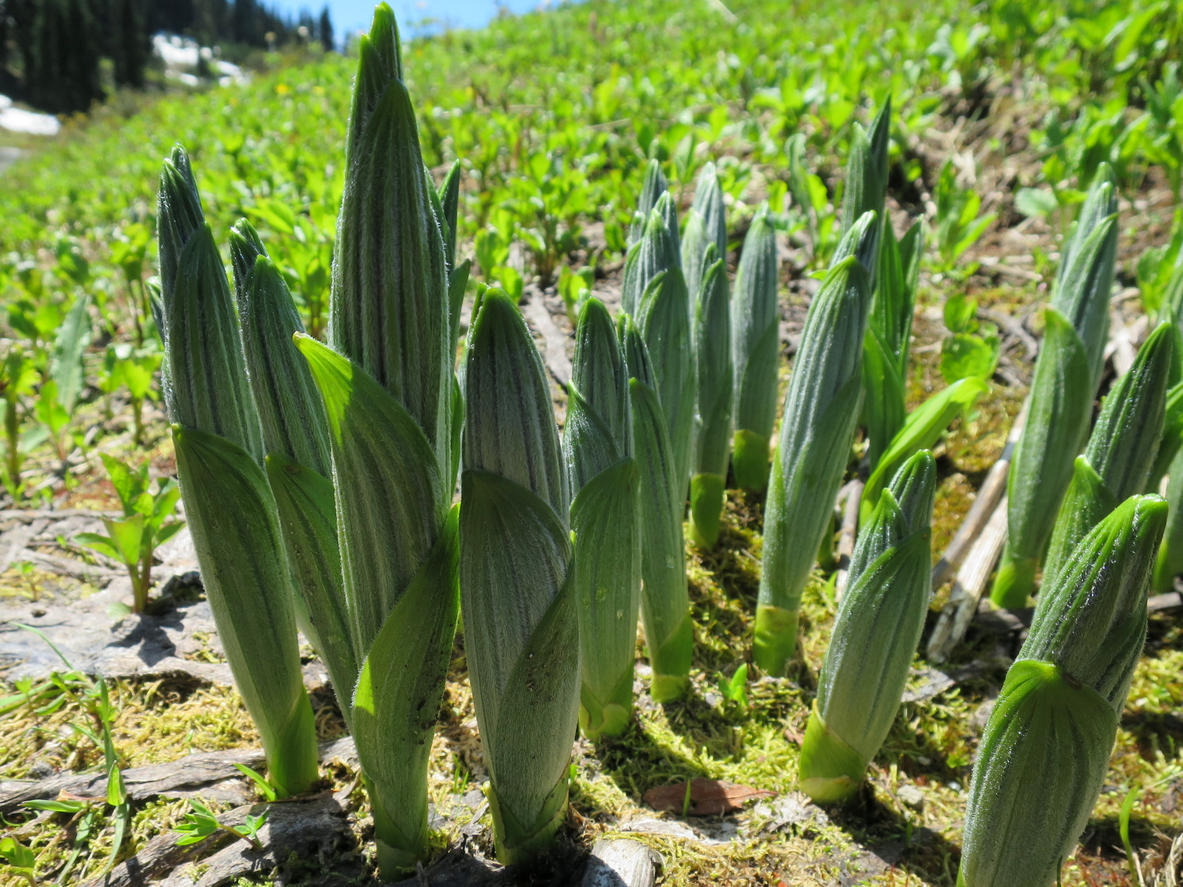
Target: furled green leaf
(398,697)
(821,407)
(605,521)
(391,495)
(389,309)
(1040,767)
(1058,413)
(755,341)
(1090,619)
(1121,448)
(290,409)
(520,611)
(876,630)
(231,515)
(308,520)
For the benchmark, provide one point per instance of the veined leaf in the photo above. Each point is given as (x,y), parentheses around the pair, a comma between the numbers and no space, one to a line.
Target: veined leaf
(231,515)
(1040,767)
(391,495)
(921,430)
(821,408)
(755,341)
(398,697)
(1057,421)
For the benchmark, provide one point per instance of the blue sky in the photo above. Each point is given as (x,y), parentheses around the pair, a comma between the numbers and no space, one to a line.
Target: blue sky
(355,15)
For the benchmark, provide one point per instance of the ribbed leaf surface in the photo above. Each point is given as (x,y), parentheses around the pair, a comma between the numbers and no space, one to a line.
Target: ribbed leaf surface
(510,429)
(665,602)
(1040,767)
(206,382)
(1059,409)
(1120,450)
(231,515)
(391,496)
(290,408)
(1090,619)
(398,697)
(605,520)
(754,329)
(881,615)
(389,309)
(821,407)
(308,520)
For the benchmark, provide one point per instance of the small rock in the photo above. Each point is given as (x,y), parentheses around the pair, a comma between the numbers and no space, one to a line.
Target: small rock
(911,796)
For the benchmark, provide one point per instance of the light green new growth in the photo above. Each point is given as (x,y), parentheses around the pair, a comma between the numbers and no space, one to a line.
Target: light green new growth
(755,342)
(229,505)
(655,289)
(520,611)
(878,626)
(390,398)
(712,353)
(665,601)
(866,186)
(1067,373)
(605,521)
(1117,461)
(1044,751)
(889,330)
(922,429)
(821,407)
(652,190)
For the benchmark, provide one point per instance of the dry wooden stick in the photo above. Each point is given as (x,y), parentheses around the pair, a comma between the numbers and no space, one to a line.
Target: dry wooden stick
(621,862)
(968,587)
(554,352)
(187,776)
(984,506)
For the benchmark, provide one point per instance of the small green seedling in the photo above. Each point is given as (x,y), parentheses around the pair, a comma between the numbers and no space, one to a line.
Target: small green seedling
(145,524)
(266,789)
(20,859)
(735,688)
(200,823)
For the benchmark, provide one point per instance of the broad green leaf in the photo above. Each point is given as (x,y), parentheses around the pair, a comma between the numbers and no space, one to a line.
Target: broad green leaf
(398,696)
(605,517)
(921,430)
(391,495)
(1040,767)
(231,514)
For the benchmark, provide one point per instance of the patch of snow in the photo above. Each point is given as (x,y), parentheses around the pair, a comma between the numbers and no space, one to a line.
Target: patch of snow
(182,56)
(176,52)
(30,122)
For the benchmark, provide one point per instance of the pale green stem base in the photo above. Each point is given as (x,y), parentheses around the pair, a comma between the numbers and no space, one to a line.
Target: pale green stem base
(1015,581)
(706,505)
(606,714)
(398,853)
(775,639)
(671,664)
(517,842)
(828,769)
(749,460)
(292,757)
